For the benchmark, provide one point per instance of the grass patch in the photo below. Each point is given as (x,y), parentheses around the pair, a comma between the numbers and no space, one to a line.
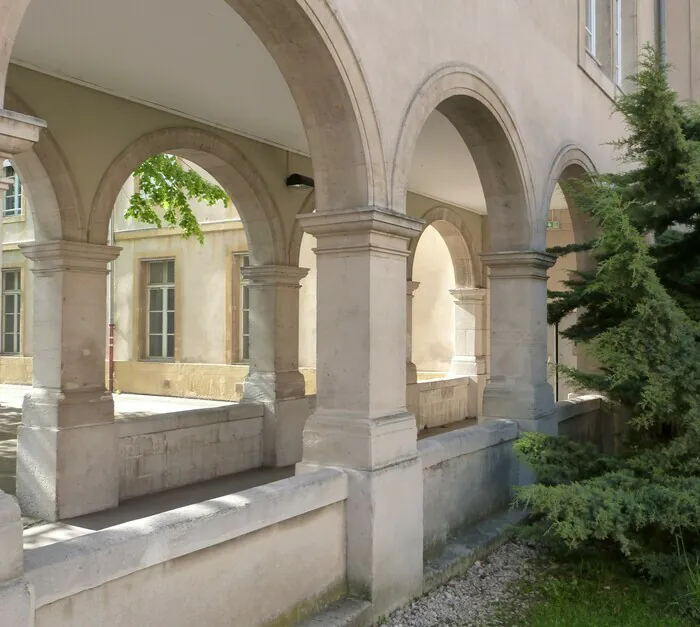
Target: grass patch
(596,591)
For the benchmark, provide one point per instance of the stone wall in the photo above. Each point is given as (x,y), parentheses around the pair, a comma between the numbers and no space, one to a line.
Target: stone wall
(468,474)
(585,419)
(170,450)
(213,563)
(438,402)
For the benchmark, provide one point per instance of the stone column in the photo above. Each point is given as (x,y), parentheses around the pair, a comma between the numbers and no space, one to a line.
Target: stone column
(67,457)
(411,371)
(361,423)
(518,388)
(274,378)
(16,607)
(470,344)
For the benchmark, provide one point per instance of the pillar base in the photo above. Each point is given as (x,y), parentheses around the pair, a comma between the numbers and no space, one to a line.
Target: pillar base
(17,603)
(385,533)
(67,455)
(343,439)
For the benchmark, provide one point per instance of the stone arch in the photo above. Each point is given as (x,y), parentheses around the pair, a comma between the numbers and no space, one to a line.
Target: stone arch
(316,59)
(572,163)
(49,185)
(455,234)
(482,119)
(223,161)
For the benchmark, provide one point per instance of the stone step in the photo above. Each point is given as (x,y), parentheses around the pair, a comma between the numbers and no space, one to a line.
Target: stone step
(344,613)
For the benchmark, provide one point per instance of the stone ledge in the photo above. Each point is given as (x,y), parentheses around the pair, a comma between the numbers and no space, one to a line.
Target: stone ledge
(578,406)
(67,568)
(142,425)
(446,446)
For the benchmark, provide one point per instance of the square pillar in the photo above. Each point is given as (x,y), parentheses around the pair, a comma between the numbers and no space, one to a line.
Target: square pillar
(361,423)
(67,455)
(518,388)
(16,598)
(470,344)
(411,370)
(273,377)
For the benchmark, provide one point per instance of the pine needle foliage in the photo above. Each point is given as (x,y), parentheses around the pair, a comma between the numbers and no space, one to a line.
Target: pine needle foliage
(637,317)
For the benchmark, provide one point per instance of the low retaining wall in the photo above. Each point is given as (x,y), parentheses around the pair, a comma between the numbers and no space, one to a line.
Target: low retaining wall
(585,419)
(213,563)
(468,474)
(171,450)
(438,402)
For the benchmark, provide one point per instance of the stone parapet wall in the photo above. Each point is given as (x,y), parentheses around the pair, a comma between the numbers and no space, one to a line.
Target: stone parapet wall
(585,419)
(171,450)
(213,563)
(438,402)
(468,474)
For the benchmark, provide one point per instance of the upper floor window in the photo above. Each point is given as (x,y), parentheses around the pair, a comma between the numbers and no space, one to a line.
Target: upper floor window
(12,205)
(590,26)
(11,311)
(160,315)
(241,309)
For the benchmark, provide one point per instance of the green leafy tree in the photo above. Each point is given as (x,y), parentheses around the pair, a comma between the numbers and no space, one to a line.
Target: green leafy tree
(164,184)
(637,317)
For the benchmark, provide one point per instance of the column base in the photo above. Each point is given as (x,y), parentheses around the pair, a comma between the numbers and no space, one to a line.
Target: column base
(17,603)
(63,473)
(343,439)
(385,533)
(518,402)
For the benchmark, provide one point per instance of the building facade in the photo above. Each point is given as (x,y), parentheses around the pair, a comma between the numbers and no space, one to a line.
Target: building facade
(431,131)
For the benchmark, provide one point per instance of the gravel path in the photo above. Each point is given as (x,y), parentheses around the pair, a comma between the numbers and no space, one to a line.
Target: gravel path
(471,599)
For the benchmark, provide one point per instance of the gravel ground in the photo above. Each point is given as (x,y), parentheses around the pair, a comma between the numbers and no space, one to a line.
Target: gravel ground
(471,599)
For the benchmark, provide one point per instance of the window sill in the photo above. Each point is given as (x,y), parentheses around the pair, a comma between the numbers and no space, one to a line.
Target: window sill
(592,68)
(13,219)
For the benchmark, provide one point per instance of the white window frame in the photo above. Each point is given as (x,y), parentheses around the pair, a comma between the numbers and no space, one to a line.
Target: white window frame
(15,314)
(590,27)
(15,192)
(618,43)
(164,287)
(241,309)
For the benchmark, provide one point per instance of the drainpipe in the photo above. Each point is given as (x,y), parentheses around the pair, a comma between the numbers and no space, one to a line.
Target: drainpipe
(661,28)
(110,287)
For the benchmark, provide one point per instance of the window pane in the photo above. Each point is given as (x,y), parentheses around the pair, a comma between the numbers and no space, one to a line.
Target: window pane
(8,343)
(155,272)
(171,271)
(171,299)
(245,325)
(246,298)
(171,322)
(9,201)
(9,278)
(155,345)
(9,303)
(245,353)
(9,326)
(155,322)
(171,346)
(155,300)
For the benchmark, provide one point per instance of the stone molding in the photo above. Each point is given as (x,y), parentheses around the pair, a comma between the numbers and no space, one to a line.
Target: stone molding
(468,295)
(527,264)
(274,276)
(18,132)
(361,230)
(411,287)
(63,256)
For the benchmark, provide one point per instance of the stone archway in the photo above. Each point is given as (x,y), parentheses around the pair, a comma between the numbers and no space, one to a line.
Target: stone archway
(482,119)
(219,158)
(317,61)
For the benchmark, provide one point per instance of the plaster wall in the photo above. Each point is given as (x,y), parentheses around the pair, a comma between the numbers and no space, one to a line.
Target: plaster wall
(467,475)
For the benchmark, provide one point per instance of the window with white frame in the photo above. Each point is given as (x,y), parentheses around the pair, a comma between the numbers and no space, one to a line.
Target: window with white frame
(591,26)
(12,205)
(241,308)
(11,311)
(160,317)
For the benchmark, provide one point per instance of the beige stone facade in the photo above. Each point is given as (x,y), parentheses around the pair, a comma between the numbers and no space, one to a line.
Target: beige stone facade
(458,116)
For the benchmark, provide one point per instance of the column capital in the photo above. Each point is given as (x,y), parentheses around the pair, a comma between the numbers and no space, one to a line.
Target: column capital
(468,294)
(18,132)
(361,230)
(525,264)
(270,276)
(411,287)
(61,255)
